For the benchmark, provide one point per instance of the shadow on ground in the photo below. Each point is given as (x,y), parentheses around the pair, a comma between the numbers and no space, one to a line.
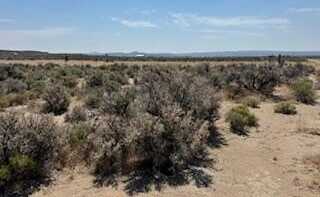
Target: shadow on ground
(23,188)
(143,181)
(216,139)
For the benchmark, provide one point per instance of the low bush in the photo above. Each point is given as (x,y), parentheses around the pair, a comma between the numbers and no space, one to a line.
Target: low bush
(12,86)
(251,101)
(290,73)
(240,119)
(111,86)
(93,99)
(78,134)
(17,99)
(4,102)
(12,100)
(11,71)
(28,149)
(304,92)
(56,100)
(118,77)
(76,150)
(285,108)
(96,79)
(253,77)
(77,114)
(118,103)
(69,82)
(164,138)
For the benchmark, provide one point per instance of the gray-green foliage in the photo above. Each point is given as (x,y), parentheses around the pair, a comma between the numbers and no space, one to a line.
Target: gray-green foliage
(285,108)
(166,134)
(28,149)
(56,99)
(240,119)
(304,91)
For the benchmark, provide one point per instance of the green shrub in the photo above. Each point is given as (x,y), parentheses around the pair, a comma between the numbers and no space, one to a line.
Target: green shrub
(118,103)
(28,151)
(4,102)
(253,77)
(234,92)
(285,108)
(93,99)
(251,101)
(240,119)
(78,149)
(56,100)
(293,72)
(5,175)
(11,71)
(69,81)
(118,77)
(12,100)
(96,79)
(12,86)
(78,134)
(77,114)
(22,165)
(111,86)
(304,92)
(17,99)
(38,87)
(166,136)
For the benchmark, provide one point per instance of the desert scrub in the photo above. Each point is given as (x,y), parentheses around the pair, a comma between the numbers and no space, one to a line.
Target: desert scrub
(76,149)
(240,119)
(96,79)
(118,103)
(56,100)
(93,99)
(251,101)
(252,77)
(285,108)
(77,114)
(78,134)
(5,175)
(12,100)
(28,151)
(12,86)
(290,73)
(303,91)
(165,137)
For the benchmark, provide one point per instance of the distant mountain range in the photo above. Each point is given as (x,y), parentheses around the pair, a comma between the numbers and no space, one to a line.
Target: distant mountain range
(218,54)
(16,54)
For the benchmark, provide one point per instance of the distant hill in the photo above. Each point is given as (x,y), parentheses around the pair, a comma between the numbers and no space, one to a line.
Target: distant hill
(220,54)
(25,54)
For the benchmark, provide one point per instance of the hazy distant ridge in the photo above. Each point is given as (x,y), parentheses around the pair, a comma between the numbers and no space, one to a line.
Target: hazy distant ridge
(220,54)
(15,53)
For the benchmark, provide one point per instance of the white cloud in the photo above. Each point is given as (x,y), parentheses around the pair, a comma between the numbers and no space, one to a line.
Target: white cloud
(304,10)
(187,20)
(42,32)
(135,24)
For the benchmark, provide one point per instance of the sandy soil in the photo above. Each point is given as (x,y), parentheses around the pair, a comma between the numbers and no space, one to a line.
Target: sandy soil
(269,162)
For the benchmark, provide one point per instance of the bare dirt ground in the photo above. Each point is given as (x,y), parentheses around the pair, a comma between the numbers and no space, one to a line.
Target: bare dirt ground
(269,162)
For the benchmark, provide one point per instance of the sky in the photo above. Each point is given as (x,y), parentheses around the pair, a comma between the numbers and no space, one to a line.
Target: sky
(159,26)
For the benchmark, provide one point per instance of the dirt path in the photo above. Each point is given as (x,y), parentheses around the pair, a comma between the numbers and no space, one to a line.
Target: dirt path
(267,163)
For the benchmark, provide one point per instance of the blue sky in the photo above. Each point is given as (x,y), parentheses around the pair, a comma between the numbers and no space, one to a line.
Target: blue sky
(159,26)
